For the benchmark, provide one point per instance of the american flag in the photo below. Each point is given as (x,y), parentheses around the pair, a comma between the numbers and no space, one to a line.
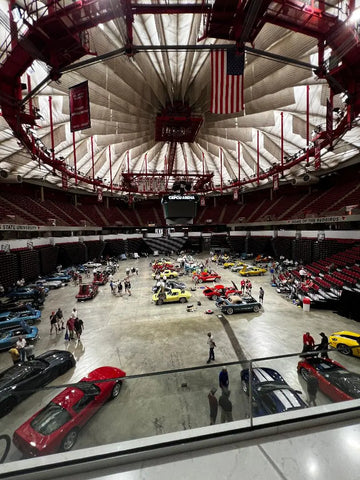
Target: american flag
(227,68)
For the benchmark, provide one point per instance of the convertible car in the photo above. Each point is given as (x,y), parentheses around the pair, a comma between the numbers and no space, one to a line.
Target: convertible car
(9,336)
(345,342)
(270,392)
(56,427)
(206,277)
(171,295)
(20,380)
(28,315)
(220,291)
(334,380)
(87,291)
(238,304)
(248,271)
(168,273)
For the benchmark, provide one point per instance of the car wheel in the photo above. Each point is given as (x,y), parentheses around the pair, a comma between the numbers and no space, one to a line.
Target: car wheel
(160,301)
(7,405)
(245,387)
(304,373)
(256,309)
(70,440)
(182,300)
(116,390)
(214,297)
(230,311)
(344,349)
(171,277)
(200,280)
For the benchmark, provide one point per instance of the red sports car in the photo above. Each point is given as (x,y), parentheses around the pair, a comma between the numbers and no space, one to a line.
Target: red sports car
(334,380)
(100,278)
(220,291)
(87,292)
(206,277)
(56,427)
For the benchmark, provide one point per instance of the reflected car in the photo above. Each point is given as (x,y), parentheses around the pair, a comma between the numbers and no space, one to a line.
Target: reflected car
(206,277)
(9,336)
(170,296)
(56,427)
(21,380)
(335,381)
(238,304)
(346,342)
(168,273)
(252,271)
(28,315)
(87,291)
(270,392)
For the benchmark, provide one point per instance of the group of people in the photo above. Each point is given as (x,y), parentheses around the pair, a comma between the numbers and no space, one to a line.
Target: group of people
(310,346)
(57,321)
(74,326)
(21,351)
(224,401)
(246,286)
(117,288)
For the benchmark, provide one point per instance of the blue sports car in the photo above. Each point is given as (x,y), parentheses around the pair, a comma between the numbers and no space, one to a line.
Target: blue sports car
(9,336)
(270,393)
(28,315)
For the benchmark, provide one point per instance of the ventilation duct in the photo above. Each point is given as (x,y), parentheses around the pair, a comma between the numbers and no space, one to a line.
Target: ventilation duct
(7,177)
(305,179)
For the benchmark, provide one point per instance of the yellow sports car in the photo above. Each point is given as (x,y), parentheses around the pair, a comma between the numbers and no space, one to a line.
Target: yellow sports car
(252,271)
(345,342)
(228,264)
(167,273)
(171,295)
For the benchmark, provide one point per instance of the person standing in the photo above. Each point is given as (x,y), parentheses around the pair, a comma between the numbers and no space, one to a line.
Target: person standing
(60,319)
(261,295)
(78,327)
(74,313)
(224,379)
(15,356)
(20,345)
(312,389)
(308,342)
(323,345)
(212,345)
(120,288)
(213,404)
(226,407)
(29,351)
(70,327)
(242,283)
(127,286)
(53,322)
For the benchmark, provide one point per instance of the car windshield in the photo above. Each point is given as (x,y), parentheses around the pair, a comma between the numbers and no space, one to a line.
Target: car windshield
(50,419)
(88,388)
(348,382)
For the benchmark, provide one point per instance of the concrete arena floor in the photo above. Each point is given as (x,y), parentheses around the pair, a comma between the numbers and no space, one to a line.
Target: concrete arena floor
(133,334)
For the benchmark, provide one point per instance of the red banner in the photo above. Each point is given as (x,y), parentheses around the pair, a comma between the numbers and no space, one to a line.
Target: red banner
(64,180)
(276,181)
(79,107)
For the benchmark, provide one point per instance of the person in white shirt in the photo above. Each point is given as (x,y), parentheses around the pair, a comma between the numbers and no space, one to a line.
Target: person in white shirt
(20,345)
(212,345)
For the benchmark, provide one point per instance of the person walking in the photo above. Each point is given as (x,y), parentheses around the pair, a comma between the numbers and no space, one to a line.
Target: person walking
(225,407)
(78,327)
(224,379)
(74,313)
(70,327)
(53,322)
(312,389)
(323,345)
(20,345)
(213,404)
(127,286)
(120,288)
(60,319)
(308,342)
(212,345)
(261,295)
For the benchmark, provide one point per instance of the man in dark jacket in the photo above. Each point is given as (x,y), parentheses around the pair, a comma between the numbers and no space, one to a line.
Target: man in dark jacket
(213,404)
(224,379)
(226,407)
(323,345)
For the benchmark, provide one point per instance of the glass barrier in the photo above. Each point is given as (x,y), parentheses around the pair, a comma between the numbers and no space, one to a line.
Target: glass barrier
(108,407)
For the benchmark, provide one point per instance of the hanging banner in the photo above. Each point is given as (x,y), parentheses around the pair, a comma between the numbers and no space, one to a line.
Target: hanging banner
(235,194)
(276,181)
(317,161)
(329,117)
(64,181)
(79,107)
(99,195)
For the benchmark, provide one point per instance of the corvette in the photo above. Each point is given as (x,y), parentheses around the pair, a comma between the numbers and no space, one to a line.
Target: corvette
(206,277)
(9,336)
(87,291)
(238,304)
(220,291)
(56,427)
(346,342)
(170,296)
(168,273)
(252,271)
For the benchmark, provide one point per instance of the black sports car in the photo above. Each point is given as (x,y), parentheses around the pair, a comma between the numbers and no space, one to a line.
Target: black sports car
(22,379)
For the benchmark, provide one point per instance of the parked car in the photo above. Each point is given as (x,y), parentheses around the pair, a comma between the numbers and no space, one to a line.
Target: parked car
(168,273)
(59,277)
(206,277)
(334,380)
(9,336)
(346,342)
(169,284)
(28,315)
(220,291)
(8,304)
(160,266)
(50,284)
(100,278)
(20,381)
(87,291)
(172,295)
(252,271)
(270,392)
(28,293)
(238,304)
(56,427)
(92,264)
